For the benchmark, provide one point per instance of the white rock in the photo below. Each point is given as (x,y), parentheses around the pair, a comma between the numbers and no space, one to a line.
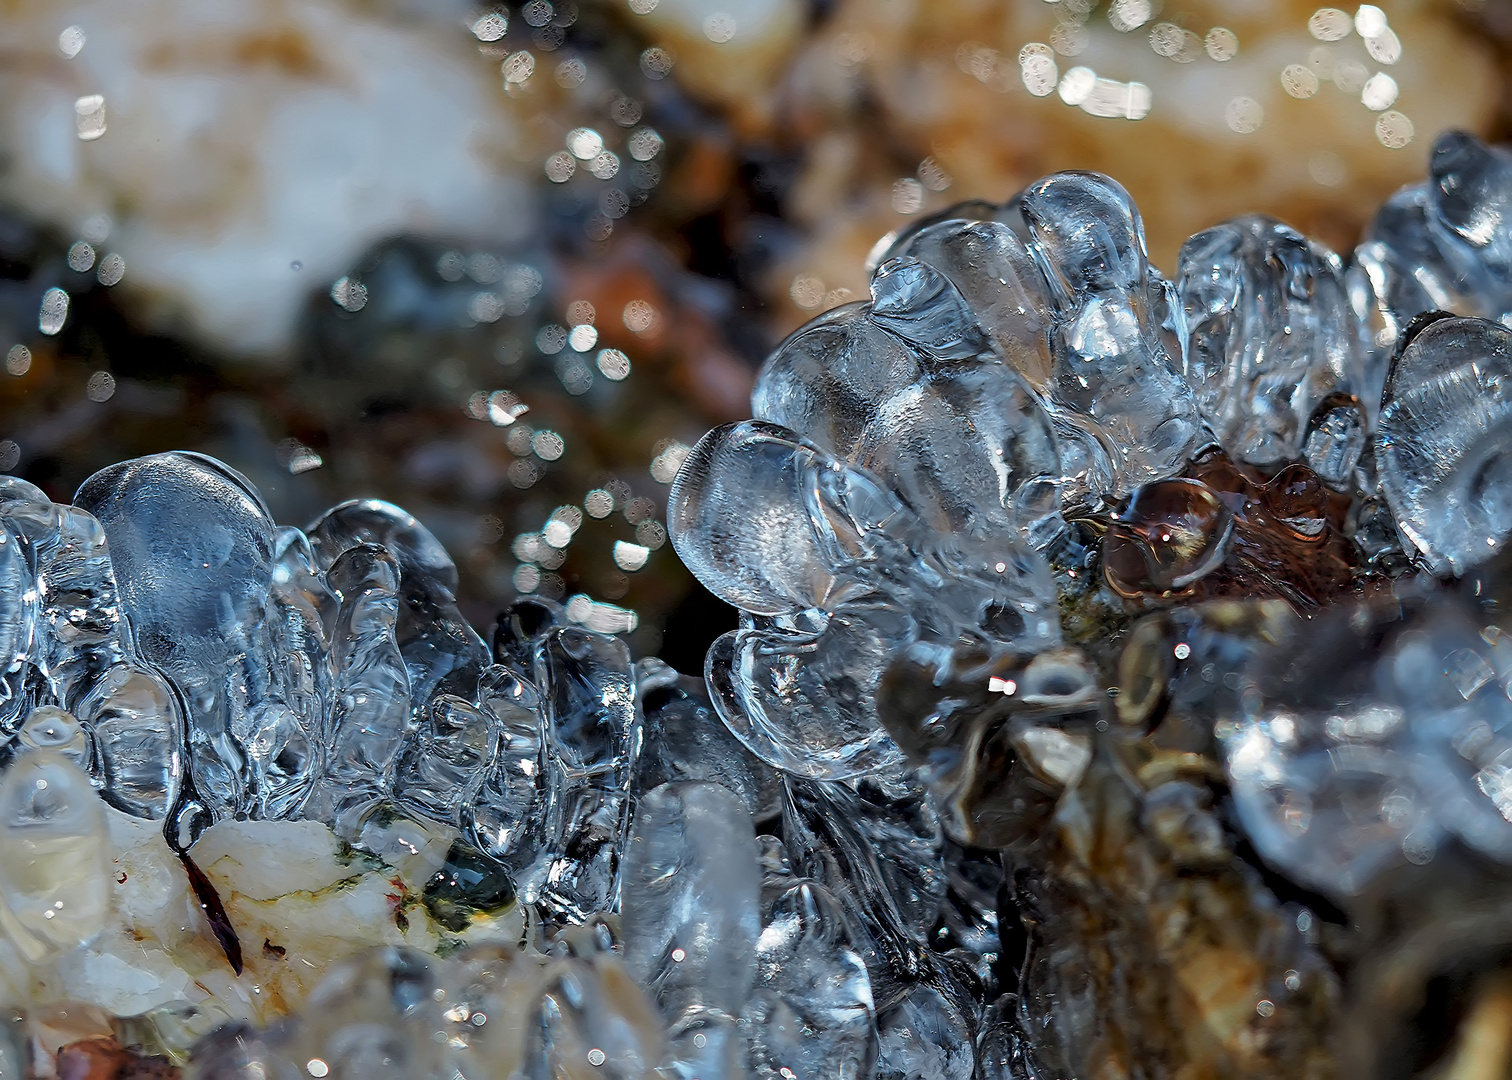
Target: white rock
(121,977)
(149,892)
(246,138)
(263,860)
(296,903)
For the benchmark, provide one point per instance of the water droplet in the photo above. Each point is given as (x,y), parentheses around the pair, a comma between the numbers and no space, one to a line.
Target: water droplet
(1299,81)
(527,578)
(720,27)
(547,445)
(89,116)
(630,557)
(1379,92)
(1221,43)
(604,165)
(656,63)
(639,316)
(112,269)
(669,459)
(1077,85)
(907,196)
(518,67)
(491,27)
(349,294)
(584,143)
(54,312)
(644,144)
(1385,47)
(81,256)
(560,166)
(1126,15)
(1173,533)
(70,41)
(1244,115)
(614,364)
(1393,129)
(101,386)
(599,503)
(1329,24)
(1369,21)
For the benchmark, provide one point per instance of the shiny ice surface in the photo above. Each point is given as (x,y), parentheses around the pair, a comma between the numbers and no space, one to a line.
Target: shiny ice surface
(1444,444)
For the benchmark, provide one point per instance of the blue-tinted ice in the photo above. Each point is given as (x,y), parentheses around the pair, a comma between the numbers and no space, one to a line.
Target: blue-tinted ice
(751,874)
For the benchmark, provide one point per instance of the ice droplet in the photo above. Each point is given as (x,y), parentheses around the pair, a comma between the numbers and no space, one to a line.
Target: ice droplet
(54,311)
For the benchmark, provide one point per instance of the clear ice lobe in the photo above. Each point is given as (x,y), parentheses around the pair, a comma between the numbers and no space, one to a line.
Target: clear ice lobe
(593,737)
(504,819)
(928,1033)
(306,610)
(829,381)
(741,517)
(1408,264)
(1471,185)
(1447,675)
(443,653)
(19,586)
(1444,442)
(444,759)
(996,275)
(29,511)
(192,545)
(370,1008)
(1367,744)
(804,700)
(1110,362)
(54,855)
(689,907)
(876,844)
(811,1012)
(138,729)
(968,446)
(917,303)
(590,1020)
(773,525)
(1272,334)
(913,388)
(80,632)
(1440,245)
(371,692)
(51,728)
(685,740)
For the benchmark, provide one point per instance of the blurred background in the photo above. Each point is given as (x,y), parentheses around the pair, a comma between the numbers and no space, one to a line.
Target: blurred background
(504,265)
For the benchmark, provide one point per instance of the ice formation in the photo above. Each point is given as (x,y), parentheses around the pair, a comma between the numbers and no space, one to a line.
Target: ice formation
(1121,691)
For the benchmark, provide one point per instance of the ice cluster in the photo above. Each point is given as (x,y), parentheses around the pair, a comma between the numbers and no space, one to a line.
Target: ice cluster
(956,500)
(923,466)
(176,652)
(1123,689)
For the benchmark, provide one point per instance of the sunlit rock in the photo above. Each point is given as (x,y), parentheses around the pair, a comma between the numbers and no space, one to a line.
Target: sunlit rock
(310,132)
